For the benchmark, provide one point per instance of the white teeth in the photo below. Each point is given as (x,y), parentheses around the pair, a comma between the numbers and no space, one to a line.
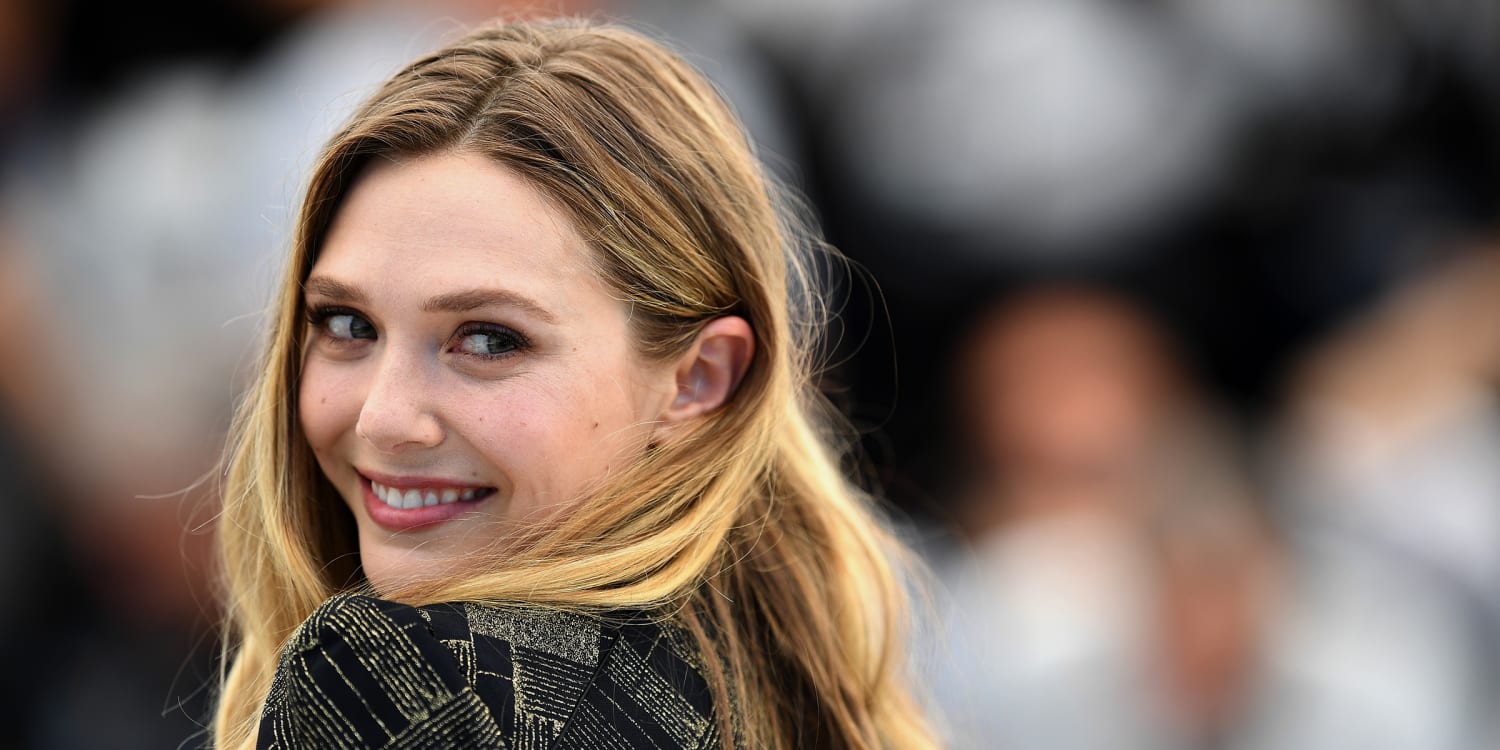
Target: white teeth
(419,498)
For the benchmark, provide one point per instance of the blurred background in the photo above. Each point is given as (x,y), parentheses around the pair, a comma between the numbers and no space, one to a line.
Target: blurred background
(1172,333)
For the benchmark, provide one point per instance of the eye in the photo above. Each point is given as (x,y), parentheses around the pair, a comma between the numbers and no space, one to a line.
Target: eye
(341,324)
(488,341)
(350,327)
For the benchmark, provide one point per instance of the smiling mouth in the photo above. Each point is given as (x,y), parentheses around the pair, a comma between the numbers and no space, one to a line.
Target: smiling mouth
(423,497)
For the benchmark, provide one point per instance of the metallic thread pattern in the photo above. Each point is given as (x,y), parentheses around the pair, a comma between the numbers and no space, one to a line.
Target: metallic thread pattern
(367,673)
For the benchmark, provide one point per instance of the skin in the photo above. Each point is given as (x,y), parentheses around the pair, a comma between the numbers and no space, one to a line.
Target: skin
(529,393)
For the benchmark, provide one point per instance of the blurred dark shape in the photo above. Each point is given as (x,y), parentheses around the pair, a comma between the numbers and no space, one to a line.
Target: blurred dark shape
(105,632)
(1065,393)
(1260,171)
(1384,457)
(25,39)
(1124,584)
(1392,426)
(1117,577)
(1260,174)
(1088,128)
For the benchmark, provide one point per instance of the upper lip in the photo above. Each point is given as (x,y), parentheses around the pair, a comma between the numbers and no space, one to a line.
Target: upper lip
(408,482)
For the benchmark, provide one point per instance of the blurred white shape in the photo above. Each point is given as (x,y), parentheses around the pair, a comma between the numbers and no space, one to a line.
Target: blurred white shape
(1365,654)
(1386,464)
(1043,630)
(1054,120)
(1433,492)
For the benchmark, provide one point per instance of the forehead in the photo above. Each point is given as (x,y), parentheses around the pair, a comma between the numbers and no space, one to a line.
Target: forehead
(455,218)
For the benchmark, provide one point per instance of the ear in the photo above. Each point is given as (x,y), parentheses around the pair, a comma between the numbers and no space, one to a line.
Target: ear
(710,370)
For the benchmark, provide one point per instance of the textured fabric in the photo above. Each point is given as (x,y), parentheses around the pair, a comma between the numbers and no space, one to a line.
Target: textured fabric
(368,673)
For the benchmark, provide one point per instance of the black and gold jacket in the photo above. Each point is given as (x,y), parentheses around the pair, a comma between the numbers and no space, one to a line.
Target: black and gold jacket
(367,673)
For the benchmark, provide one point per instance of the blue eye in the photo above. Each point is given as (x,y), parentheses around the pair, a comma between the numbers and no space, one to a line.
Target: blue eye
(347,326)
(341,324)
(488,341)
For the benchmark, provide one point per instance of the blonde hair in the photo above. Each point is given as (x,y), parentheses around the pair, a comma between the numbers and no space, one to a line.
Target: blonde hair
(741,528)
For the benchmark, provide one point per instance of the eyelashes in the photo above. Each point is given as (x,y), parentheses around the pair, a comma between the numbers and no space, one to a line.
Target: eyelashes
(488,341)
(343,327)
(340,324)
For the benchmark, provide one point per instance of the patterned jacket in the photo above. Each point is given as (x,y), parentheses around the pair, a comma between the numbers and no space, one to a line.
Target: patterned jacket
(367,673)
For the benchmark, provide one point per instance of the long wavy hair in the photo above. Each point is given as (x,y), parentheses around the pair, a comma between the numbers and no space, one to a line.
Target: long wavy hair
(742,528)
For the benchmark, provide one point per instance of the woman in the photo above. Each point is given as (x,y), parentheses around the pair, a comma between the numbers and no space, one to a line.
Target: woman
(535,451)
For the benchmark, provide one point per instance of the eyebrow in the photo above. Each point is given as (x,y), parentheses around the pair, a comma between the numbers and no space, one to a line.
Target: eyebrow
(461,301)
(337,291)
(474,299)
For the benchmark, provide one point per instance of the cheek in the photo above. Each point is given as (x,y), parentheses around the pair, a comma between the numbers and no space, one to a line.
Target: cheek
(530,436)
(326,407)
(552,442)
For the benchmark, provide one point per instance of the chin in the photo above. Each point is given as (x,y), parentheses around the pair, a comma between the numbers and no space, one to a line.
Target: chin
(390,569)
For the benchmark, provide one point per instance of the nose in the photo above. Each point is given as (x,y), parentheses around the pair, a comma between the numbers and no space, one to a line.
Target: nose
(398,413)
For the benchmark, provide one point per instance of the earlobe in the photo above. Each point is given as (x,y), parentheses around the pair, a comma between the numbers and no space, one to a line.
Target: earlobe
(710,371)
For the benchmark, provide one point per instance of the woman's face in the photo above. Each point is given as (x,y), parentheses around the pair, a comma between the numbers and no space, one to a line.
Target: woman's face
(466,370)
